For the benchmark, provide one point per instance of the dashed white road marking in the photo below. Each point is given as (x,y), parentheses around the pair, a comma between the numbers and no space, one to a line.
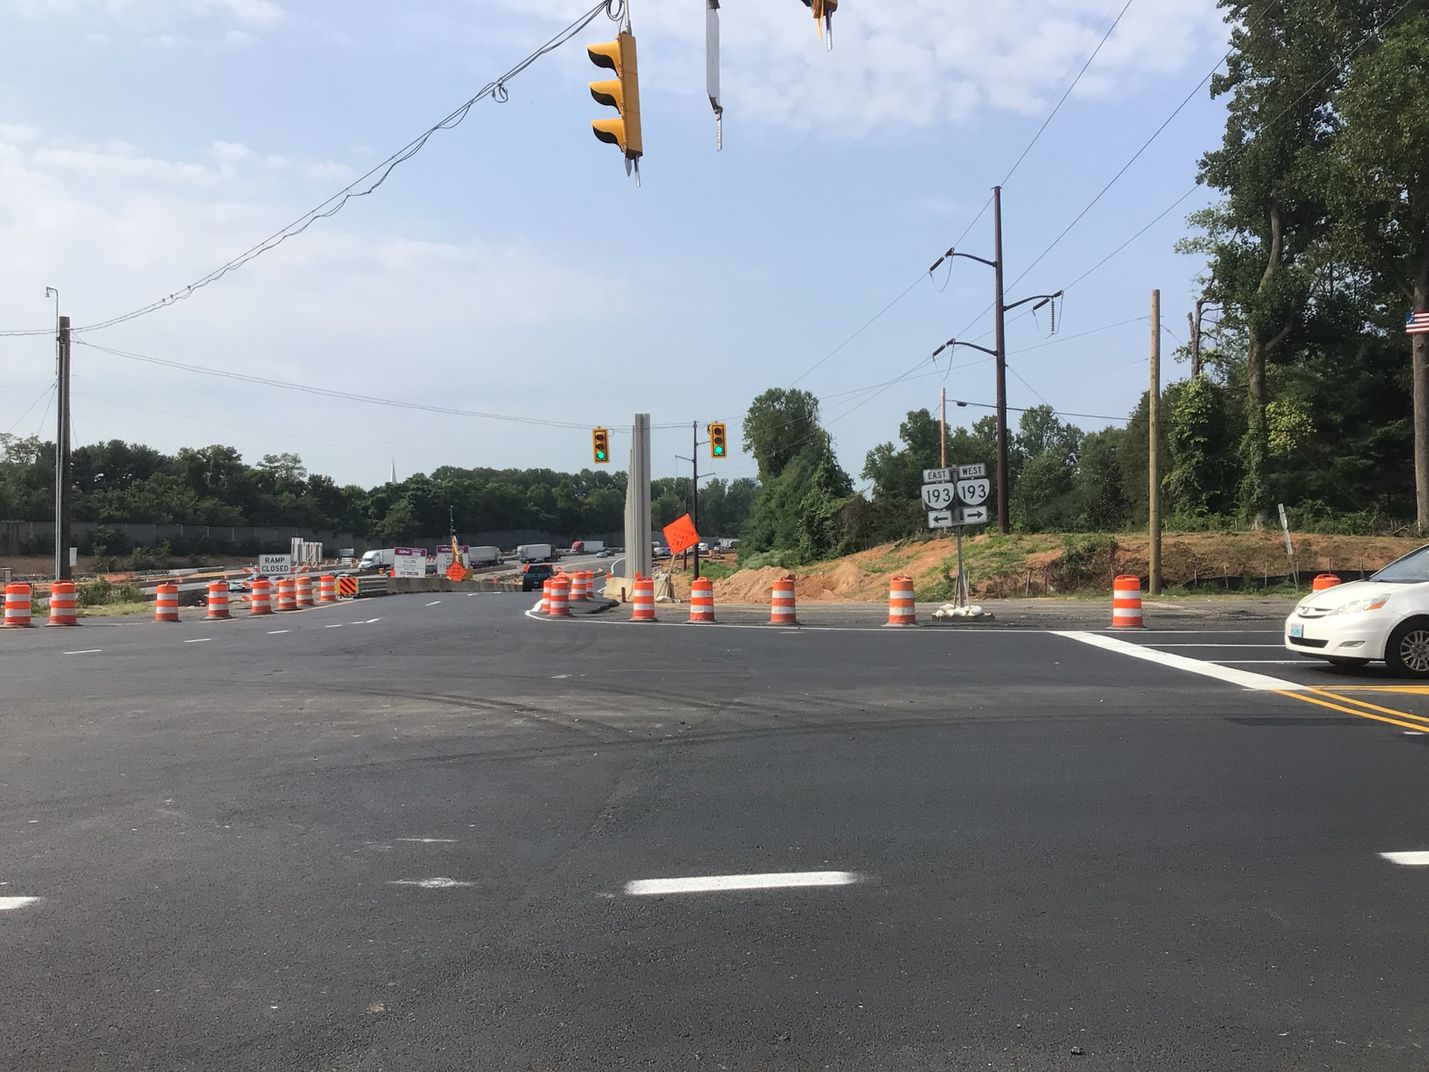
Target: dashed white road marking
(199,640)
(434,602)
(1412,733)
(438,883)
(1417,858)
(430,840)
(372,621)
(337,626)
(278,632)
(1246,679)
(8,904)
(85,651)
(654,887)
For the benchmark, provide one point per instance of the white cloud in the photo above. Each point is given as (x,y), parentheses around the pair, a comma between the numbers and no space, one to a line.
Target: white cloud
(231,152)
(168,41)
(17,132)
(238,39)
(329,171)
(440,319)
(256,14)
(900,64)
(119,161)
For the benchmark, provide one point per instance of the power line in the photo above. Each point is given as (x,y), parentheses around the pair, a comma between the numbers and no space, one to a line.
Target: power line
(1058,107)
(1057,412)
(45,394)
(495,89)
(331,392)
(973,223)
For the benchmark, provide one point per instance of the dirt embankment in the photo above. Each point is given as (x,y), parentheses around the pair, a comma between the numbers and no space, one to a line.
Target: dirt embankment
(1004,566)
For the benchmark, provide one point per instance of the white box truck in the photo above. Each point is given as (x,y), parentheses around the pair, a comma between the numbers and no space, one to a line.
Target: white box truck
(536,552)
(484,556)
(377,560)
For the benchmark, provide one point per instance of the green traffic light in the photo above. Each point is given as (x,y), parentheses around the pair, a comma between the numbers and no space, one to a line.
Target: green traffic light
(600,454)
(719,449)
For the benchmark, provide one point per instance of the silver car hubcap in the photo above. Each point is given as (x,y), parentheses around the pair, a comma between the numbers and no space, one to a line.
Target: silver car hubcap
(1414,651)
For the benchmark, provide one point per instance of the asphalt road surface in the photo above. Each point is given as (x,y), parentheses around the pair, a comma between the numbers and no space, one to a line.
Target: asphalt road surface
(430,832)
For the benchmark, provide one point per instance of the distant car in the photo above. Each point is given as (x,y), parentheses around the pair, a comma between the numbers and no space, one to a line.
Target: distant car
(606,553)
(1384,617)
(240,584)
(535,574)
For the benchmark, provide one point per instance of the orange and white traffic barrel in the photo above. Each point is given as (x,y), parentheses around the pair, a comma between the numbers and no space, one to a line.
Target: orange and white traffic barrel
(64,604)
(702,600)
(1126,602)
(260,599)
(303,590)
(558,597)
(545,606)
(17,606)
(581,587)
(327,588)
(781,602)
(901,609)
(217,602)
(166,603)
(287,597)
(642,600)
(1323,581)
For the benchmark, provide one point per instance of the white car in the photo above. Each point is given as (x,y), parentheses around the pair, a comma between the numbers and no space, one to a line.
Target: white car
(1384,617)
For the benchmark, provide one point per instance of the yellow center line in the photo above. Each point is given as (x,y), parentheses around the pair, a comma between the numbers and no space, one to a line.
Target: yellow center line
(1411,690)
(1373,707)
(1419,726)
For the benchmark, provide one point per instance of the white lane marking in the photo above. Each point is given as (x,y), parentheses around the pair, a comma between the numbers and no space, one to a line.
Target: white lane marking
(1246,679)
(1417,858)
(8,904)
(652,887)
(1161,645)
(1189,632)
(337,626)
(1262,662)
(278,632)
(434,602)
(372,621)
(1412,733)
(438,883)
(430,840)
(85,651)
(199,640)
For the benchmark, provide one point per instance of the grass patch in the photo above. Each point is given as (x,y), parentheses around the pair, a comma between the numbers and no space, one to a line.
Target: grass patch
(716,571)
(116,610)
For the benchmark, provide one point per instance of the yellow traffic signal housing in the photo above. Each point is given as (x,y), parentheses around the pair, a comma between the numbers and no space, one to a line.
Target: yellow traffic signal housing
(600,446)
(719,447)
(621,93)
(823,11)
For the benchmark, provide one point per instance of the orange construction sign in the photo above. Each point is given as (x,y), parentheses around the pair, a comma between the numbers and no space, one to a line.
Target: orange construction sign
(456,571)
(680,535)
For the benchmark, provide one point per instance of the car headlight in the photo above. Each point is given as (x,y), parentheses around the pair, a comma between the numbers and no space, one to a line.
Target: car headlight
(1359,606)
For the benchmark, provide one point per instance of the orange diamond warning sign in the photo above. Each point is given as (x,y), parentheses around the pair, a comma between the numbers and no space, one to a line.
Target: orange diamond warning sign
(680,535)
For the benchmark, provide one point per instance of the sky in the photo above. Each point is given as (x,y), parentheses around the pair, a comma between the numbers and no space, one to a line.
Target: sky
(512,269)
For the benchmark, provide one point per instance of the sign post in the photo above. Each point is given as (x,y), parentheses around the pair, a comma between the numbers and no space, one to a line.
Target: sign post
(956,496)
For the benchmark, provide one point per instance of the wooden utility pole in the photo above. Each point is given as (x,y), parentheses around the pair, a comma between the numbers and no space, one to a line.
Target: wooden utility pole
(1195,321)
(63,571)
(1000,323)
(943,431)
(1153,411)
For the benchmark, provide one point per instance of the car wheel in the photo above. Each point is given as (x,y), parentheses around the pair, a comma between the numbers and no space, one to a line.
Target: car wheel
(1346,662)
(1407,652)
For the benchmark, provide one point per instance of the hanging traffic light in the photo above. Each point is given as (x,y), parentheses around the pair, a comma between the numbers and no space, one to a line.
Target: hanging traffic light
(621,93)
(600,446)
(718,445)
(823,11)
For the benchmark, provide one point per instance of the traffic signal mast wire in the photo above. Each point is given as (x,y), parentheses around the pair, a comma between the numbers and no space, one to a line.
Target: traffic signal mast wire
(365,184)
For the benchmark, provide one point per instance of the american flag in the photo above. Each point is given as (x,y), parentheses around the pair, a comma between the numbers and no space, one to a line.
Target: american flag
(1417,322)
